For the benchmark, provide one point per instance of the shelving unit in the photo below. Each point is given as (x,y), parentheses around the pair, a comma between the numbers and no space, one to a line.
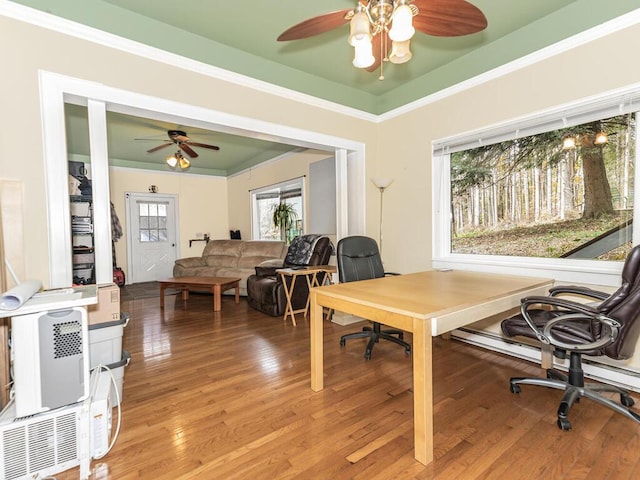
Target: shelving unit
(82,232)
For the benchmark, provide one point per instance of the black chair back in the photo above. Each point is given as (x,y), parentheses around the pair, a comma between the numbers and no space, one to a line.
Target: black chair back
(358,258)
(624,306)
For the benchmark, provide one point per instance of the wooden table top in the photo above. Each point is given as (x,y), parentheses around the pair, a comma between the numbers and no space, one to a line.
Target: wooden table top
(201,280)
(432,293)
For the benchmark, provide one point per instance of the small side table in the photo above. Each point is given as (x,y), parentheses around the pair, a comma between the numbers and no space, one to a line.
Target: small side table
(311,274)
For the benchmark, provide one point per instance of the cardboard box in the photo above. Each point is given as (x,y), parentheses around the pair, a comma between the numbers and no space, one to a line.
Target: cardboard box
(108,307)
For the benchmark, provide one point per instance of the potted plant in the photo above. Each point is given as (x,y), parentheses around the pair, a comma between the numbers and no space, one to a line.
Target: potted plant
(283,217)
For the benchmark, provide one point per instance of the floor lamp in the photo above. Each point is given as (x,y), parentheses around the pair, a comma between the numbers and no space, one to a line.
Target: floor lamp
(382,184)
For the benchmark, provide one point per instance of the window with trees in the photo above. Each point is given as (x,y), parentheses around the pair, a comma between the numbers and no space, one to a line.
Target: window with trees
(560,194)
(264,203)
(558,187)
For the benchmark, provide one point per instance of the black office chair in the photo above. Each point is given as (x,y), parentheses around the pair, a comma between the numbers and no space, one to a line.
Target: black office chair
(610,327)
(359,259)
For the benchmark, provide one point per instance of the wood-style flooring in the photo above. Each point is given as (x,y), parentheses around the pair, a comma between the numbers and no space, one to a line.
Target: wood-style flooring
(227,395)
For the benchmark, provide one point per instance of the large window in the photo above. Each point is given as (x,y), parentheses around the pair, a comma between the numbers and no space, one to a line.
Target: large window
(554,192)
(264,202)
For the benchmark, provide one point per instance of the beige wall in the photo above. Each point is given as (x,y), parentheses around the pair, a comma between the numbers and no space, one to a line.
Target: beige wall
(202,205)
(285,168)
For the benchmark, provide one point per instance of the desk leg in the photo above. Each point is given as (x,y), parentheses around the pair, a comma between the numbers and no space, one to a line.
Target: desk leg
(287,293)
(162,287)
(317,361)
(217,298)
(422,391)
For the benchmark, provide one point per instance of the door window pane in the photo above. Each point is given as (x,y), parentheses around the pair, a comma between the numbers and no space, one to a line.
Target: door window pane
(152,222)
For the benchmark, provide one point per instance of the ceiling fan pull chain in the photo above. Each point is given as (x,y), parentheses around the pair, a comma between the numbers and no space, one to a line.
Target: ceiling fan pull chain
(383,40)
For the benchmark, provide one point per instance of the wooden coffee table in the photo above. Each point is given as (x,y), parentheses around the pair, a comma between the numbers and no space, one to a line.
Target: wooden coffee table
(215,285)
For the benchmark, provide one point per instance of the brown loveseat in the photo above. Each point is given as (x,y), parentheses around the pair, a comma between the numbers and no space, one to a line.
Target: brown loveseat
(231,258)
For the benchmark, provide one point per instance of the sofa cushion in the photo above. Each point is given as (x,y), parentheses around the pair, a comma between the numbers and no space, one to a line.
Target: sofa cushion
(256,252)
(226,261)
(190,262)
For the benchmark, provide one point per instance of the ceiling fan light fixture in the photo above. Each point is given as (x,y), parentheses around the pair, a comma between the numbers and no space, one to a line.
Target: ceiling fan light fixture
(363,54)
(400,52)
(172,161)
(184,163)
(401,26)
(360,27)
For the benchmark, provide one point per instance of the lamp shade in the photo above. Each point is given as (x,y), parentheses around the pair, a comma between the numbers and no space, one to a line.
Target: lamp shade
(360,29)
(184,163)
(172,161)
(400,52)
(382,182)
(401,27)
(363,54)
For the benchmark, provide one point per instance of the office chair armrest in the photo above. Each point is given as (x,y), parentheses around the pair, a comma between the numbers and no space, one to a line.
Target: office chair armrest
(573,307)
(576,290)
(614,328)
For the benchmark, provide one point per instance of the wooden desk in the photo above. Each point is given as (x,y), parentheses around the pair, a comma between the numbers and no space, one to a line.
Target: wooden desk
(426,304)
(215,285)
(311,274)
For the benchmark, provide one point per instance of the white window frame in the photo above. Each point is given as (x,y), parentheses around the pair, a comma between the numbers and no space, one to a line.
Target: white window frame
(606,273)
(297,182)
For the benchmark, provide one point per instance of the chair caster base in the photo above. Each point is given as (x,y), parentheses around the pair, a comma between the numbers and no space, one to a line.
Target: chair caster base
(564,424)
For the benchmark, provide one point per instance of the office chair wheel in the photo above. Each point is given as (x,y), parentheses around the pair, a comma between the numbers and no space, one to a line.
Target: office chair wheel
(626,400)
(515,388)
(564,424)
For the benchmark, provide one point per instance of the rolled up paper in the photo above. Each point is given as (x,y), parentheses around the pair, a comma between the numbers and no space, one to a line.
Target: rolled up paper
(16,296)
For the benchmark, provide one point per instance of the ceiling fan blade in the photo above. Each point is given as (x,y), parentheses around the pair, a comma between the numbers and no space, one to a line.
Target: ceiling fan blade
(204,145)
(315,25)
(448,18)
(155,149)
(187,149)
(378,49)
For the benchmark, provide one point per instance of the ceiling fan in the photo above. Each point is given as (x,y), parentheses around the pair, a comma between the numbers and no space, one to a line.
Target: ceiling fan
(377,25)
(183,142)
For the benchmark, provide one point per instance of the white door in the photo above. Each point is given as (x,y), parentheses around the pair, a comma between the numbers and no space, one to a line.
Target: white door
(151,236)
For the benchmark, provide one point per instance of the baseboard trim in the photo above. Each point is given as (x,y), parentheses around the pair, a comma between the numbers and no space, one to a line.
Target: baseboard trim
(610,374)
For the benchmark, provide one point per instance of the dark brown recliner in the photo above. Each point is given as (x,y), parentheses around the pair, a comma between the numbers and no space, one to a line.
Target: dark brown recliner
(265,291)
(609,327)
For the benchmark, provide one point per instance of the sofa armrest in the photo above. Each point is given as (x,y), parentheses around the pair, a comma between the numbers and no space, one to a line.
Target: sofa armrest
(268,267)
(190,262)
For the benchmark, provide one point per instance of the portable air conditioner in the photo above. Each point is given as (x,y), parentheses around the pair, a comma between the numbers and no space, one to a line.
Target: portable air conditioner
(50,359)
(45,444)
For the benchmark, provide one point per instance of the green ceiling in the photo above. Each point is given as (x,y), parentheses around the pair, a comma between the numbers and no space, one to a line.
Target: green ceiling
(240,36)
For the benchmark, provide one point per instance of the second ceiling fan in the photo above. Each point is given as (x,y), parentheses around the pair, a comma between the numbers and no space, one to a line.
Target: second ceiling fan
(183,142)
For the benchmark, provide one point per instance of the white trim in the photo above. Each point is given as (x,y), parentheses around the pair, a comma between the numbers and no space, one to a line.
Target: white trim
(56,89)
(611,374)
(99,159)
(162,172)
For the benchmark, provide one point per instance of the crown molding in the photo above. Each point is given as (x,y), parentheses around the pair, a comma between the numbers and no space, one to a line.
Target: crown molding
(83,32)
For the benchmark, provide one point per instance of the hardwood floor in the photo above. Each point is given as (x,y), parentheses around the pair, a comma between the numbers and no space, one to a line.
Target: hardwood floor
(227,395)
